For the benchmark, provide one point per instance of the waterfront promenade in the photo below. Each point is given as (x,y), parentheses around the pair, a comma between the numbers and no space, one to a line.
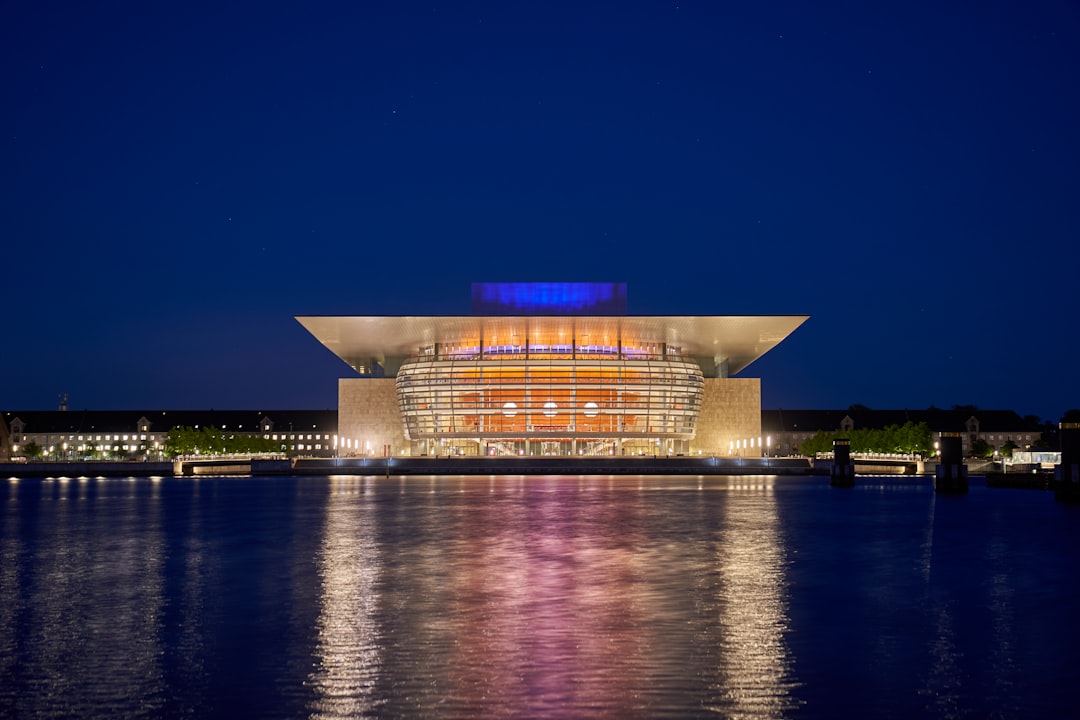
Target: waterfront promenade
(553,465)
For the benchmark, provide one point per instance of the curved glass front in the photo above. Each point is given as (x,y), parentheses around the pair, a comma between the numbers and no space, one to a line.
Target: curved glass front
(557,402)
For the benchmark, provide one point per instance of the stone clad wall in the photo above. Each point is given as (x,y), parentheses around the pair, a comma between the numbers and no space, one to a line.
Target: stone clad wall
(730,411)
(368,413)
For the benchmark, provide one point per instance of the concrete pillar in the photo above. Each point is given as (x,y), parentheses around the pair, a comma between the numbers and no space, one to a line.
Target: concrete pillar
(1067,473)
(952,474)
(843,469)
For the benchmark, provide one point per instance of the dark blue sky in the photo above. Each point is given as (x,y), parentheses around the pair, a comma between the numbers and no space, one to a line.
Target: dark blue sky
(178,180)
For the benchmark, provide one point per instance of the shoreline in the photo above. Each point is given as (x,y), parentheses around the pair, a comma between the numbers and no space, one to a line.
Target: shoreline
(448,466)
(421,466)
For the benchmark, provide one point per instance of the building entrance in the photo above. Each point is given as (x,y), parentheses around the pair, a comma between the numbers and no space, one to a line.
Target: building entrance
(552,446)
(564,447)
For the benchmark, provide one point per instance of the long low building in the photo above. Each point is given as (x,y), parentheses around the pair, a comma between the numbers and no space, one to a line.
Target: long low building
(999,429)
(78,434)
(549,369)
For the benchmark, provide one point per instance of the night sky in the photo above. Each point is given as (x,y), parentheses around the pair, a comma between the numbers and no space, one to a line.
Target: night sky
(180,179)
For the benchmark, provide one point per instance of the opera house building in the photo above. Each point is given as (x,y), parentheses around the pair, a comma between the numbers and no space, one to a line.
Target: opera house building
(549,369)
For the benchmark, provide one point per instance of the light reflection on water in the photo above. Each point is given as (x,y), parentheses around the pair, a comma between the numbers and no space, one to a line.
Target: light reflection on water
(91,653)
(628,597)
(542,597)
(346,662)
(754,679)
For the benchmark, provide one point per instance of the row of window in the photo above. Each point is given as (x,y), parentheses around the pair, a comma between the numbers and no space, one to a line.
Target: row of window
(86,438)
(540,349)
(157,437)
(311,436)
(537,378)
(133,448)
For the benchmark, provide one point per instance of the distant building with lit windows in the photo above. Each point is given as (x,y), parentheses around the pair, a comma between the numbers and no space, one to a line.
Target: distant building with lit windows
(549,369)
(997,428)
(79,434)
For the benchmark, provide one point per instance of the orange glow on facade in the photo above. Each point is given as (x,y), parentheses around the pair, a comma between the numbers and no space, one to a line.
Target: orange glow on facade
(496,403)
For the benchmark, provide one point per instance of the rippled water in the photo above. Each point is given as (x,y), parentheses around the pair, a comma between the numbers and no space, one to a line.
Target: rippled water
(454,597)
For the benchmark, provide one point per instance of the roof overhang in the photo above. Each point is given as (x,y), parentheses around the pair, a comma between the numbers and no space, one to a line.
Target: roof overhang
(736,340)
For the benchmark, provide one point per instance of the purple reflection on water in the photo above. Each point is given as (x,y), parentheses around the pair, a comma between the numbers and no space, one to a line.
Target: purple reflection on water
(532,597)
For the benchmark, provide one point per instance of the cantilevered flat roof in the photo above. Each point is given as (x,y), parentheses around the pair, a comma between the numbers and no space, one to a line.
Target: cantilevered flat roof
(738,339)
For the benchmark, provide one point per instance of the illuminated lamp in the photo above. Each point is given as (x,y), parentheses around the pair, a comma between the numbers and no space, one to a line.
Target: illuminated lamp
(591,409)
(510,409)
(549,408)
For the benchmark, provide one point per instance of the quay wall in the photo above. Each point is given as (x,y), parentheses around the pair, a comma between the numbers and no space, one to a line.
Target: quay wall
(535,466)
(86,469)
(422,466)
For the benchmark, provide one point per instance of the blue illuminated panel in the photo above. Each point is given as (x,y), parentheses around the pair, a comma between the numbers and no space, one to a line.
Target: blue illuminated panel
(549,298)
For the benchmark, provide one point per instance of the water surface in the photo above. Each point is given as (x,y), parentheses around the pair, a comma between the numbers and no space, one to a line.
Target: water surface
(650,597)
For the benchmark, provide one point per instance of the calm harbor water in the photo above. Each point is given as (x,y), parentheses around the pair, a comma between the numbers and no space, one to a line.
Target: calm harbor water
(541,597)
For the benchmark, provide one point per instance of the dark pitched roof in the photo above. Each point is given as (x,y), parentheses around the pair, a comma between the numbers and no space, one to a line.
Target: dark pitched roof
(74,421)
(938,420)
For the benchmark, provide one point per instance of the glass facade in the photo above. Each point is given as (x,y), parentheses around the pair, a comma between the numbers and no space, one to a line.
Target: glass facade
(549,397)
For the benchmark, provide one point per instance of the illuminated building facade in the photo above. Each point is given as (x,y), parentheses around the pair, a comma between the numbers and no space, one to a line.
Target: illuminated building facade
(549,369)
(74,435)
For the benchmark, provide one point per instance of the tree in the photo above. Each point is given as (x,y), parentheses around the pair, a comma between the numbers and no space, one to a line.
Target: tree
(981,448)
(909,438)
(915,438)
(211,440)
(181,441)
(1048,437)
(820,443)
(1008,447)
(32,450)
